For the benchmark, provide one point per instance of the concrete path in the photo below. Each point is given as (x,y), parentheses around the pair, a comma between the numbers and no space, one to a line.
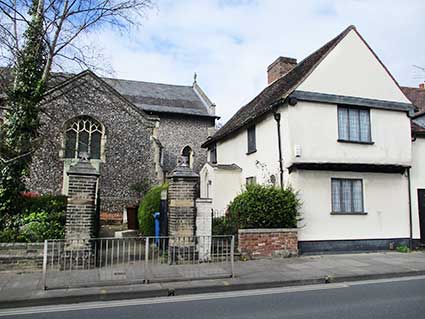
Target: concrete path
(26,289)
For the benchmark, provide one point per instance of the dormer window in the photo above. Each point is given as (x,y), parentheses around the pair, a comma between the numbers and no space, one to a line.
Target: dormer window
(252,145)
(354,125)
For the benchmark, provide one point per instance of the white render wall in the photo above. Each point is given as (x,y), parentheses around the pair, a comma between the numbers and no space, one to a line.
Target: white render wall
(314,126)
(385,201)
(261,164)
(417,181)
(224,186)
(204,227)
(227,184)
(351,69)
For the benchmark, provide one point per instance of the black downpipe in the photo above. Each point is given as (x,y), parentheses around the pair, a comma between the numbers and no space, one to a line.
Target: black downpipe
(279,139)
(410,211)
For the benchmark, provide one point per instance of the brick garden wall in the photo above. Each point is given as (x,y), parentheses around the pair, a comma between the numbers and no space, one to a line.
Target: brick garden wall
(261,243)
(111,218)
(21,256)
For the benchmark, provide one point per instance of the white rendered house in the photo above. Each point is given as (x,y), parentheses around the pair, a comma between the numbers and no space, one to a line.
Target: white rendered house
(335,127)
(417,173)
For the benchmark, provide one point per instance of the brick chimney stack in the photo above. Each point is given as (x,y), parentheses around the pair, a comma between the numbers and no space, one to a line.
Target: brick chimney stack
(279,68)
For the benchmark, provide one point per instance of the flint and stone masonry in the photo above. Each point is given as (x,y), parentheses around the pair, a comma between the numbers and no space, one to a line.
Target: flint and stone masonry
(137,145)
(81,208)
(182,192)
(127,155)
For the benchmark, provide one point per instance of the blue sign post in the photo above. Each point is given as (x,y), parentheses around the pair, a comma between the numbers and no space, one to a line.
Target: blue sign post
(157,227)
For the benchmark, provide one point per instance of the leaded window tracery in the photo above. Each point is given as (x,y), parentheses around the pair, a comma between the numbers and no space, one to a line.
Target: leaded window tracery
(83,135)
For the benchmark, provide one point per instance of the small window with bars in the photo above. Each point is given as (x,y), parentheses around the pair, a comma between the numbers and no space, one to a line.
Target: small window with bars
(347,195)
(354,125)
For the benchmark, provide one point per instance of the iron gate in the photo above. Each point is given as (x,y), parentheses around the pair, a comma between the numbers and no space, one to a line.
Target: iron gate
(112,261)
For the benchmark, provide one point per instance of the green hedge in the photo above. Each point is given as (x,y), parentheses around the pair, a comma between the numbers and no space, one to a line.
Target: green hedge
(149,205)
(41,217)
(262,206)
(225,225)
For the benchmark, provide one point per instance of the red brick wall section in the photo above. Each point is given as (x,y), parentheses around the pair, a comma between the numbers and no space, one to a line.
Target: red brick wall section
(111,218)
(266,243)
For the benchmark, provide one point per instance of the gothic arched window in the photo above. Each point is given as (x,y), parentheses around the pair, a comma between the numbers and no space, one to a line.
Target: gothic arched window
(83,135)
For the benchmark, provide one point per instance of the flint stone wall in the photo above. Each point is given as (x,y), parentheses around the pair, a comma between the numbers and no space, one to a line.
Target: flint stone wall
(128,149)
(177,131)
(26,257)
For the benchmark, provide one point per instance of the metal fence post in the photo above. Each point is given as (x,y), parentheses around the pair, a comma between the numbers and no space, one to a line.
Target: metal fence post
(232,256)
(146,260)
(45,265)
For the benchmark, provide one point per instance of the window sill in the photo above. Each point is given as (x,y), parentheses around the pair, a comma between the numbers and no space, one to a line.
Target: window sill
(348,213)
(251,152)
(356,142)
(97,160)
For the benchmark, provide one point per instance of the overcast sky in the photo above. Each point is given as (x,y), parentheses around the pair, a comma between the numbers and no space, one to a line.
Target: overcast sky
(230,43)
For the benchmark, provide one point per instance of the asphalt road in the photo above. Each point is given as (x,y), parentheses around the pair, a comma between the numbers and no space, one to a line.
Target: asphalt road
(396,298)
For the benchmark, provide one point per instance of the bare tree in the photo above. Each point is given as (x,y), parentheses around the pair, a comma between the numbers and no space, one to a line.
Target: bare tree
(34,35)
(64,21)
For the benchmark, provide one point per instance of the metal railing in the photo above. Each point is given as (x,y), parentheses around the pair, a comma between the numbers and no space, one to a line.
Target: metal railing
(104,261)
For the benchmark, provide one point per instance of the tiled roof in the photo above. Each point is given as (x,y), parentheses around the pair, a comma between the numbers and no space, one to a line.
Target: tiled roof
(276,91)
(417,129)
(158,97)
(417,97)
(147,96)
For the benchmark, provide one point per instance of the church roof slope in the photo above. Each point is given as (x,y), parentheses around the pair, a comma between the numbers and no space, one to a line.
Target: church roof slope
(162,98)
(147,96)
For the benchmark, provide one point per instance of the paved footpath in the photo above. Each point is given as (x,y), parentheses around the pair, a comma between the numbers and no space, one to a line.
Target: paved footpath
(25,289)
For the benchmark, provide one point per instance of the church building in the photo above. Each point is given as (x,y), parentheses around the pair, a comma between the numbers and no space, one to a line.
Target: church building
(133,132)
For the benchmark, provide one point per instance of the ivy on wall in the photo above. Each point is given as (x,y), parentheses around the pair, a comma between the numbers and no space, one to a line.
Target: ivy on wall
(22,118)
